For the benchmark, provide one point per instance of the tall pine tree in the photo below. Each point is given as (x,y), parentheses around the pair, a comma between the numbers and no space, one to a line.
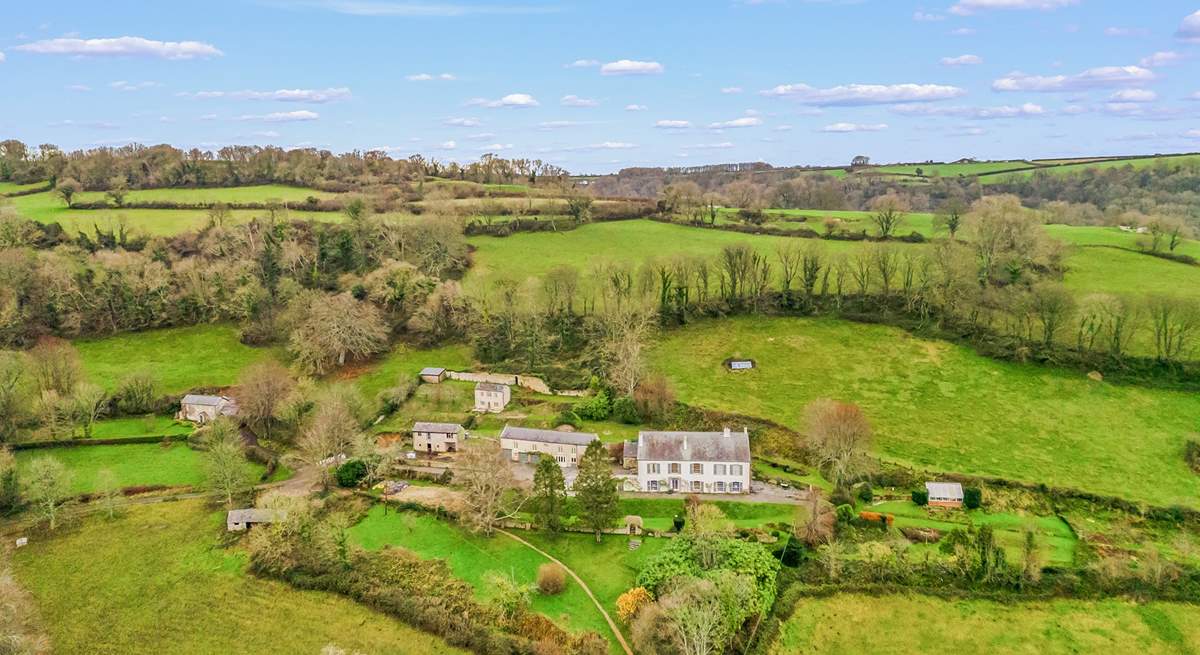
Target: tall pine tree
(596,489)
(549,494)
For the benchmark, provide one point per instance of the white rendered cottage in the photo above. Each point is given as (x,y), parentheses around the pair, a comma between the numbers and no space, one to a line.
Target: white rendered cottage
(694,462)
(492,397)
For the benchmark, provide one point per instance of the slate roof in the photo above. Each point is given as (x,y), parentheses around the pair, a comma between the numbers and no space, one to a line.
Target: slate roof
(432,370)
(630,450)
(944,490)
(255,515)
(200,399)
(548,436)
(700,447)
(439,428)
(490,386)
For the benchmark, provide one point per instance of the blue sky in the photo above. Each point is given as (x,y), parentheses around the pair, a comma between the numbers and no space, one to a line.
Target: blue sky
(595,86)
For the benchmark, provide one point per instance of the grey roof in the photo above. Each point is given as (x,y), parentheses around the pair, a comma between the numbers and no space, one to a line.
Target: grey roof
(630,449)
(548,436)
(255,515)
(440,428)
(201,399)
(693,447)
(944,490)
(490,386)
(432,370)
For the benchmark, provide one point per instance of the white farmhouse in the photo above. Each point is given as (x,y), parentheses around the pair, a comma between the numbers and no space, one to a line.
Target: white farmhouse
(527,445)
(694,462)
(492,397)
(202,409)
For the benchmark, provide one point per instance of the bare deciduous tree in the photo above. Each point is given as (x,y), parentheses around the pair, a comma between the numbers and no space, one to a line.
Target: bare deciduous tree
(336,330)
(261,392)
(840,434)
(47,488)
(226,469)
(888,213)
(486,480)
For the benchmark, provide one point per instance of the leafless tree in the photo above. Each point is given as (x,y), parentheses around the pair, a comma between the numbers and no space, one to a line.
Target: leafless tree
(888,213)
(840,434)
(336,330)
(261,392)
(487,481)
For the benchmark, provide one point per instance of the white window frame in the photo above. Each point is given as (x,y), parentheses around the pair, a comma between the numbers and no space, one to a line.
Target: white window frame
(652,485)
(697,468)
(735,469)
(735,487)
(719,486)
(654,468)
(697,486)
(675,468)
(720,469)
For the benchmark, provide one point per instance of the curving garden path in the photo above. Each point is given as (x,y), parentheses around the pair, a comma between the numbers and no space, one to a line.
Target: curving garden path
(583,585)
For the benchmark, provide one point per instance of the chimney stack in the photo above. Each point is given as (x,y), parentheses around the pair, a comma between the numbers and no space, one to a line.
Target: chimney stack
(726,432)
(685,442)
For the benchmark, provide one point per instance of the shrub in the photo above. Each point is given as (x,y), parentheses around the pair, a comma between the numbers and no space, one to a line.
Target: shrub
(567,417)
(972,497)
(551,578)
(137,393)
(392,398)
(596,408)
(677,522)
(792,553)
(866,493)
(920,497)
(445,477)
(626,411)
(841,496)
(631,601)
(351,473)
(845,513)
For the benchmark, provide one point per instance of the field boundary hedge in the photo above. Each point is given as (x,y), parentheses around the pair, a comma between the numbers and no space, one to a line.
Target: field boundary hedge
(114,441)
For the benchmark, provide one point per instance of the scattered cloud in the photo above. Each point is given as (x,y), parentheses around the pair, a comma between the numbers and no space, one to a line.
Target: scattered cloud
(603,145)
(1189,29)
(673,125)
(1028,109)
(462,122)
(631,67)
(79,88)
(969,7)
(426,77)
(496,147)
(731,89)
(854,127)
(635,107)
(315,96)
(782,128)
(91,125)
(1075,110)
(122,85)
(446,145)
(865,94)
(512,100)
(1192,134)
(1126,31)
(558,125)
(1134,95)
(413,9)
(724,145)
(1093,78)
(282,116)
(576,101)
(123,46)
(2,58)
(962,60)
(926,17)
(1159,59)
(747,121)
(482,136)
(963,31)
(267,134)
(582,63)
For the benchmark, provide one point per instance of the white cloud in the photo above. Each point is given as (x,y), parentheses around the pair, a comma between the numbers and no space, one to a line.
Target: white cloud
(1158,59)
(497,147)
(268,134)
(968,7)
(963,31)
(415,9)
(1189,30)
(447,145)
(724,145)
(282,116)
(673,125)
(1126,31)
(631,67)
(925,17)
(731,89)
(635,107)
(854,127)
(122,85)
(123,46)
(582,63)
(1075,110)
(748,121)
(1134,95)
(482,136)
(2,57)
(558,125)
(514,100)
(426,77)
(576,101)
(79,87)
(604,145)
(1028,109)
(865,94)
(781,128)
(962,60)
(208,117)
(1093,78)
(316,96)
(462,122)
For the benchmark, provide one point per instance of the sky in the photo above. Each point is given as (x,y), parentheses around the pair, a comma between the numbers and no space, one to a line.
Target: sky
(598,86)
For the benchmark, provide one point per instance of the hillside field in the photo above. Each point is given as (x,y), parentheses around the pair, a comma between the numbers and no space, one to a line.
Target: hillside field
(848,624)
(937,405)
(158,579)
(133,464)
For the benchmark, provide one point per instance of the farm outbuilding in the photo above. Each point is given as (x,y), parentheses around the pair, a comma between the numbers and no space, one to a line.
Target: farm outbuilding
(945,494)
(199,408)
(240,520)
(433,374)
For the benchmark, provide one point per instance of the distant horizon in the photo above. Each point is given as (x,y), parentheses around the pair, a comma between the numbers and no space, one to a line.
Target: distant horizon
(596,87)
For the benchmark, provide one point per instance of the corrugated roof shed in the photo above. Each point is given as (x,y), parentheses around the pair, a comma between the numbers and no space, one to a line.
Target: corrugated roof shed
(944,490)
(726,446)
(548,436)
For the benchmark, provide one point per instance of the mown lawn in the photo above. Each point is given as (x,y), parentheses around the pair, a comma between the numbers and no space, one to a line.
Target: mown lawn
(472,557)
(156,581)
(180,358)
(139,426)
(937,405)
(133,464)
(848,624)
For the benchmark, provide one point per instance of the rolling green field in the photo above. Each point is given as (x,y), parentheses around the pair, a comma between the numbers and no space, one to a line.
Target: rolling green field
(1167,161)
(953,170)
(937,405)
(1089,235)
(404,362)
(232,195)
(139,426)
(12,187)
(181,358)
(471,557)
(851,221)
(157,580)
(1110,270)
(175,465)
(849,624)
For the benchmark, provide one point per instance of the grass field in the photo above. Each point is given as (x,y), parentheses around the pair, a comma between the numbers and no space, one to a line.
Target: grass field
(1111,270)
(12,187)
(851,624)
(157,582)
(953,170)
(231,195)
(937,405)
(1167,161)
(1089,235)
(181,358)
(471,557)
(139,426)
(133,464)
